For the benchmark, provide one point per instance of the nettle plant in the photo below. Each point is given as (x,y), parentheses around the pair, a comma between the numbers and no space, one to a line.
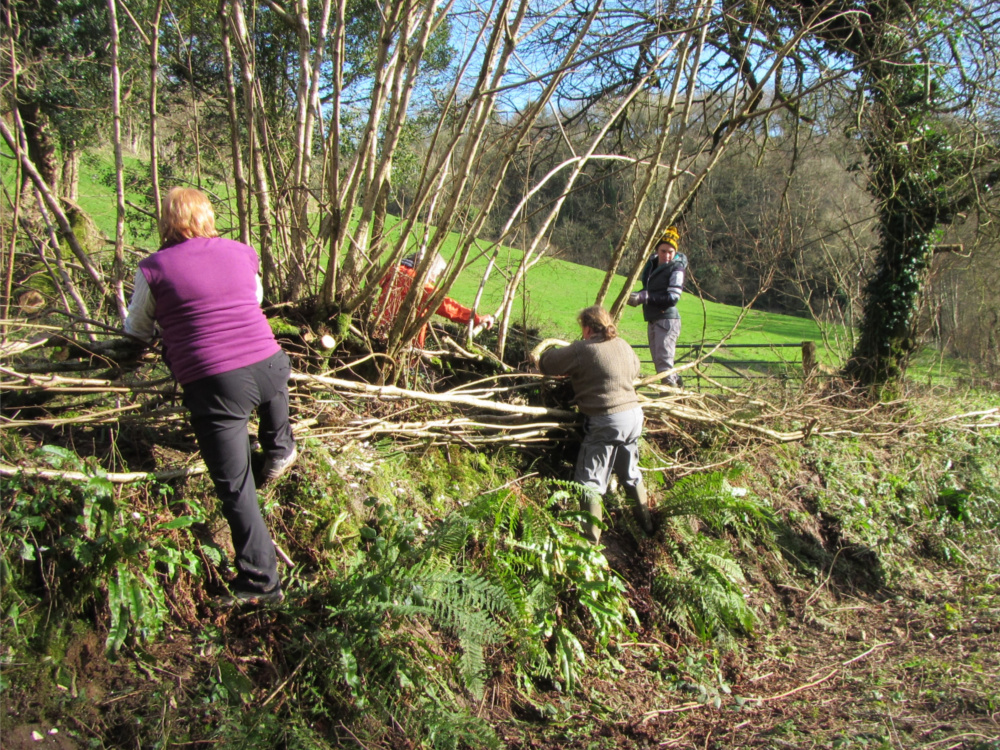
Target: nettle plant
(82,544)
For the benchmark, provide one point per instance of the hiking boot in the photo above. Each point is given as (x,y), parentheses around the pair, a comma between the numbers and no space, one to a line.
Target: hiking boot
(236,596)
(275,467)
(643,518)
(592,504)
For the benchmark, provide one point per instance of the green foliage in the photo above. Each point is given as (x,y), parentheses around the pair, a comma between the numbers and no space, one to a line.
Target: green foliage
(100,548)
(701,589)
(717,502)
(375,643)
(703,593)
(404,628)
(700,675)
(899,502)
(236,728)
(64,44)
(870,504)
(969,488)
(559,582)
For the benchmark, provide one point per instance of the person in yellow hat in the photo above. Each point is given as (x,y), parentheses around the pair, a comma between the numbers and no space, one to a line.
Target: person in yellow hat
(662,285)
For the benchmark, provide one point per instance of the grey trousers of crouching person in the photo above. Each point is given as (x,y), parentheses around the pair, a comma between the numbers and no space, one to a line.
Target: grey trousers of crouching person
(663,335)
(221,406)
(610,443)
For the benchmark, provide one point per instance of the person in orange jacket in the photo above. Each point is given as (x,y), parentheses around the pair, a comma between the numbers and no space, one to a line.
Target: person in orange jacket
(397,283)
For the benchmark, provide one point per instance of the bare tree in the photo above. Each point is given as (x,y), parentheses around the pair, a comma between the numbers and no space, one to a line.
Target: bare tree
(116,139)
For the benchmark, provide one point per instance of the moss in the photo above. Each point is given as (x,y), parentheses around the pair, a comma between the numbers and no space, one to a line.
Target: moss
(282,327)
(341,325)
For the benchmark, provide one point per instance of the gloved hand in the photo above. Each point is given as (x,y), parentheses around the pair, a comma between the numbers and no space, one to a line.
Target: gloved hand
(637,298)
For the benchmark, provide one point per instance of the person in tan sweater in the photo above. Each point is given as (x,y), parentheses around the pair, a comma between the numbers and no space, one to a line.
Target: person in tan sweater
(602,367)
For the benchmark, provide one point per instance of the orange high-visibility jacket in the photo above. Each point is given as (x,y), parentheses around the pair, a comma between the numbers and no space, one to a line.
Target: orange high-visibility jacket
(395,286)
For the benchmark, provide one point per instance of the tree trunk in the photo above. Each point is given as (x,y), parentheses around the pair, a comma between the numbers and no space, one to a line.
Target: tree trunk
(910,207)
(888,333)
(261,184)
(239,171)
(332,166)
(69,181)
(41,145)
(154,68)
(119,268)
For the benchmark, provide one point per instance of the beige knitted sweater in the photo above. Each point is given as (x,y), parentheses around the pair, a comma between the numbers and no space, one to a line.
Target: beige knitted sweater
(601,373)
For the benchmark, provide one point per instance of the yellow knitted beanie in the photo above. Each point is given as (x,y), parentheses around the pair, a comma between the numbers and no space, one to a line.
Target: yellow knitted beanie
(671,236)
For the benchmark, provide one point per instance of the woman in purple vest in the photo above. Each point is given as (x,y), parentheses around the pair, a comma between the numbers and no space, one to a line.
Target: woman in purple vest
(203,292)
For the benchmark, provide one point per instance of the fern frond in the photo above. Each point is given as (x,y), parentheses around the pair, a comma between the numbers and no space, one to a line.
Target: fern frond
(448,538)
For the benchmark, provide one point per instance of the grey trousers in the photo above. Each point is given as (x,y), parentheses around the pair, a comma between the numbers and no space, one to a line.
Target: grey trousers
(663,335)
(221,406)
(610,443)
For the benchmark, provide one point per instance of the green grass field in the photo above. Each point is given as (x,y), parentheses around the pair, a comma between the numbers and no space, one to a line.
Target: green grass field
(557,290)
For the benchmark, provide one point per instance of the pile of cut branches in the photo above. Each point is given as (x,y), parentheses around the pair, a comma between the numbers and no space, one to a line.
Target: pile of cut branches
(114,383)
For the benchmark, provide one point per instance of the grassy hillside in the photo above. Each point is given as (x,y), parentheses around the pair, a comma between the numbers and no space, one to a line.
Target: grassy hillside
(556,290)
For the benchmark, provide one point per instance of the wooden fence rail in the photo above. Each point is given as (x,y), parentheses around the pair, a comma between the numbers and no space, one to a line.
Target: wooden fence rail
(808,361)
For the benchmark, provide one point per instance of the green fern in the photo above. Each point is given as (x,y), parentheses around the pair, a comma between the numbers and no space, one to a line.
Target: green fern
(558,583)
(713,499)
(701,588)
(392,621)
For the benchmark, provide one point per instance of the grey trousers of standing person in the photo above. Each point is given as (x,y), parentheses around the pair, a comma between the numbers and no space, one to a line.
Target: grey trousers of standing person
(221,406)
(610,443)
(663,335)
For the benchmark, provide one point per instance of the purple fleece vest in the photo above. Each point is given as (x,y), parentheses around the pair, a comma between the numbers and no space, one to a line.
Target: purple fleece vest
(206,307)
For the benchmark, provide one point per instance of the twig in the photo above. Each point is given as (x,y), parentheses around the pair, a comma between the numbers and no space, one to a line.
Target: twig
(354,737)
(391,392)
(98,418)
(862,656)
(19,347)
(115,477)
(284,557)
(290,677)
(795,690)
(675,710)
(957,737)
(825,580)
(508,484)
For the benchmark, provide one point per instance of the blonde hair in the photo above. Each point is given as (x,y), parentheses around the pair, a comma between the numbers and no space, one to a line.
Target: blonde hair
(599,321)
(186,213)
